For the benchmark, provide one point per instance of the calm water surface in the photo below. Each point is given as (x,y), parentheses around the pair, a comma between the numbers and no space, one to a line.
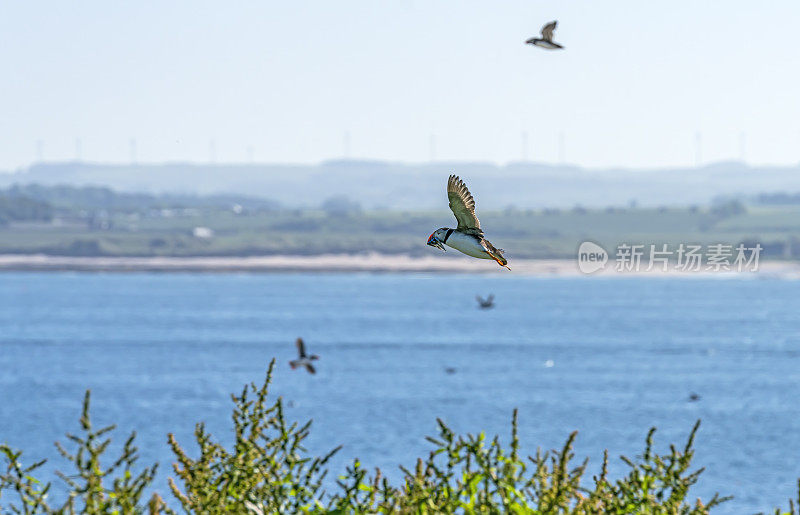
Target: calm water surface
(163,351)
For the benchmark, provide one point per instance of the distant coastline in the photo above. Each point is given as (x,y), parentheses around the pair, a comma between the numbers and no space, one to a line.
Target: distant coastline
(351,263)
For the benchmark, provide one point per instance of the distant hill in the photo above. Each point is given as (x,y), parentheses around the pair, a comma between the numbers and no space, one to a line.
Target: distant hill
(378,184)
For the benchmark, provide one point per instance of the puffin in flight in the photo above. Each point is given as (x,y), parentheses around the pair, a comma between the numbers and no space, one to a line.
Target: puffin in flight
(468,236)
(303,360)
(546,40)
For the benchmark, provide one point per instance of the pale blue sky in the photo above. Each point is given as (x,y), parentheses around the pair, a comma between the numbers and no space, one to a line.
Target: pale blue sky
(636,82)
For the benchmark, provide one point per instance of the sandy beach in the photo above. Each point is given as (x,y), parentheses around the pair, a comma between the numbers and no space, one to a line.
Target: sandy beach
(356,263)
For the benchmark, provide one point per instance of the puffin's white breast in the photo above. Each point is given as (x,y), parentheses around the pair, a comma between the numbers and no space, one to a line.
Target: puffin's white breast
(545,44)
(468,245)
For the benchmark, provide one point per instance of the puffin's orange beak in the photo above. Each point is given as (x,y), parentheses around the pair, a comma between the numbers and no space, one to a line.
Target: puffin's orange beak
(434,242)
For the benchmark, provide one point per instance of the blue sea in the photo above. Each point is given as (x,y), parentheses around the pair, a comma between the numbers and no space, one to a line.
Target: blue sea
(607,357)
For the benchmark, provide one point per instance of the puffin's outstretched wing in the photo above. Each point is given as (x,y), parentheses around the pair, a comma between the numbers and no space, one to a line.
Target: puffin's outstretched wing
(547,31)
(463,206)
(301,348)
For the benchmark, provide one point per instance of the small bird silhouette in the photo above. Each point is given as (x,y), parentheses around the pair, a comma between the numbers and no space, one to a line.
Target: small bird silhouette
(693,397)
(546,41)
(303,360)
(467,237)
(486,303)
(450,370)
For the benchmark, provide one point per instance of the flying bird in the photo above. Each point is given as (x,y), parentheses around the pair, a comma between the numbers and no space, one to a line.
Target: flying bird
(303,360)
(467,237)
(486,303)
(546,41)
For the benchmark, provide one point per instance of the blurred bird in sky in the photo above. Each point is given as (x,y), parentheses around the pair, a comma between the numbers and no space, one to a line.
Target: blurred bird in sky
(546,41)
(486,303)
(467,237)
(303,360)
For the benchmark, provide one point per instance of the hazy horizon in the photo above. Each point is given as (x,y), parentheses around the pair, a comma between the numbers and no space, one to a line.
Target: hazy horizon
(304,83)
(733,162)
(398,185)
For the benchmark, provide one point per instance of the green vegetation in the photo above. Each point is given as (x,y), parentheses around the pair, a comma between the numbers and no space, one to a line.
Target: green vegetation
(88,485)
(13,209)
(267,470)
(98,221)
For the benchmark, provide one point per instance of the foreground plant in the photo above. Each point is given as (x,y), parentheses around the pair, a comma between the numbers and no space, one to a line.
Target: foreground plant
(89,489)
(472,475)
(267,470)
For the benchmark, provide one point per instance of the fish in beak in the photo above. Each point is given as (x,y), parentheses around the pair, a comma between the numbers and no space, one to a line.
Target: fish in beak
(434,242)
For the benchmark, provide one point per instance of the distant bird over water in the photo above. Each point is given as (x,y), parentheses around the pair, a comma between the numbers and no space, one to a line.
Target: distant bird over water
(468,236)
(546,40)
(693,397)
(486,303)
(303,360)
